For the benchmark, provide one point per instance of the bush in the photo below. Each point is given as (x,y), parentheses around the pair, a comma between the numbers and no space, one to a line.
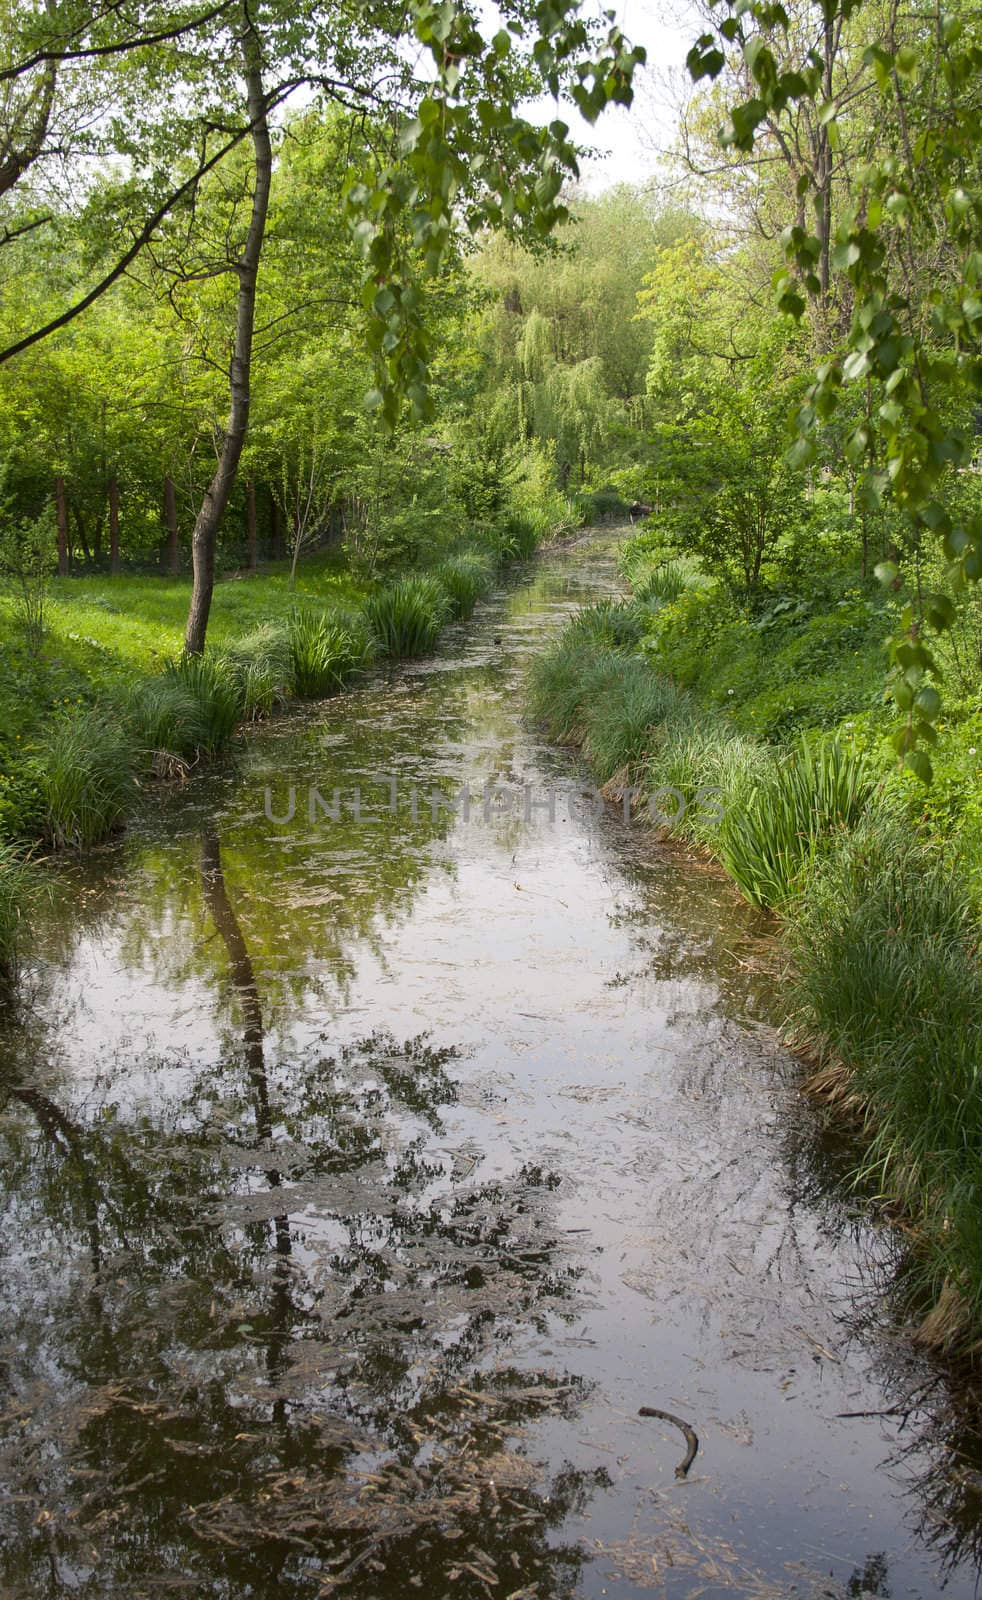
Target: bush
(465,578)
(885,947)
(769,841)
(84,774)
(326,649)
(406,618)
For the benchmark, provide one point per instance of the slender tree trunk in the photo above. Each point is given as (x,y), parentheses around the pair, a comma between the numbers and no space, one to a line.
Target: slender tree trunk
(114,526)
(251,525)
(205,537)
(170,521)
(61,519)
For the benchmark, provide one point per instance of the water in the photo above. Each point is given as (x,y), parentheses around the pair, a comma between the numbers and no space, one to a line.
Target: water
(362,1179)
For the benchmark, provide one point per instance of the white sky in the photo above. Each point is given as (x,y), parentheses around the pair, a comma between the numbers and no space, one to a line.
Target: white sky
(633,138)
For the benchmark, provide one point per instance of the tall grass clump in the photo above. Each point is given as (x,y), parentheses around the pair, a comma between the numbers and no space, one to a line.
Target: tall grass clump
(887,976)
(608,624)
(14,888)
(586,692)
(168,719)
(211,684)
(465,578)
(517,539)
(83,768)
(713,769)
(627,713)
(261,664)
(406,617)
(660,586)
(769,841)
(326,649)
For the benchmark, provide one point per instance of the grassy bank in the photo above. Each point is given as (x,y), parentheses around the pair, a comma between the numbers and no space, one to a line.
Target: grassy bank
(677,694)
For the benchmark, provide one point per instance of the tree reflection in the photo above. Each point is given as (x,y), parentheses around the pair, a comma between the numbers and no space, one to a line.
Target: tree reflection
(250,1334)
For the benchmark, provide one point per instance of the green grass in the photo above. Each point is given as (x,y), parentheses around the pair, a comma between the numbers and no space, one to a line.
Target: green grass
(261,664)
(407,617)
(326,650)
(15,881)
(465,578)
(83,769)
(885,945)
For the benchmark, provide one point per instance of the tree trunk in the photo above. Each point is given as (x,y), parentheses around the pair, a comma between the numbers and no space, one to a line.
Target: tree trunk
(251,526)
(114,526)
(170,522)
(209,518)
(61,519)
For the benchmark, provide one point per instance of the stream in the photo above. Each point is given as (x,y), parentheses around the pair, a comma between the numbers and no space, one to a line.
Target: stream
(387,1121)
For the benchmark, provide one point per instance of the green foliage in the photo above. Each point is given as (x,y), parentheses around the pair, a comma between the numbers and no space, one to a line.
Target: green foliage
(887,977)
(587,690)
(770,841)
(465,578)
(517,538)
(665,583)
(83,769)
(407,617)
(906,377)
(608,625)
(25,564)
(169,718)
(326,650)
(715,771)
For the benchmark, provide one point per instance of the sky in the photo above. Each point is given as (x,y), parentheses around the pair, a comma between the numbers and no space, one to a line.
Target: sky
(633,138)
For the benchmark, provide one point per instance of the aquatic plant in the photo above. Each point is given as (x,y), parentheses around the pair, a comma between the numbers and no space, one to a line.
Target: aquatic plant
(326,649)
(627,711)
(406,617)
(83,768)
(211,683)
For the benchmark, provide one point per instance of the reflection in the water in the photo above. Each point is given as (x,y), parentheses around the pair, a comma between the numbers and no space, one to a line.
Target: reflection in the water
(255,1339)
(299,1299)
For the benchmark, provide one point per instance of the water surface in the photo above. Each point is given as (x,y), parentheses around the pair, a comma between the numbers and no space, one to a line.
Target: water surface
(363,1175)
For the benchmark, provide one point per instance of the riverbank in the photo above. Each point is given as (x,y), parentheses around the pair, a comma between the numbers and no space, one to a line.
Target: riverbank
(876,908)
(104,703)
